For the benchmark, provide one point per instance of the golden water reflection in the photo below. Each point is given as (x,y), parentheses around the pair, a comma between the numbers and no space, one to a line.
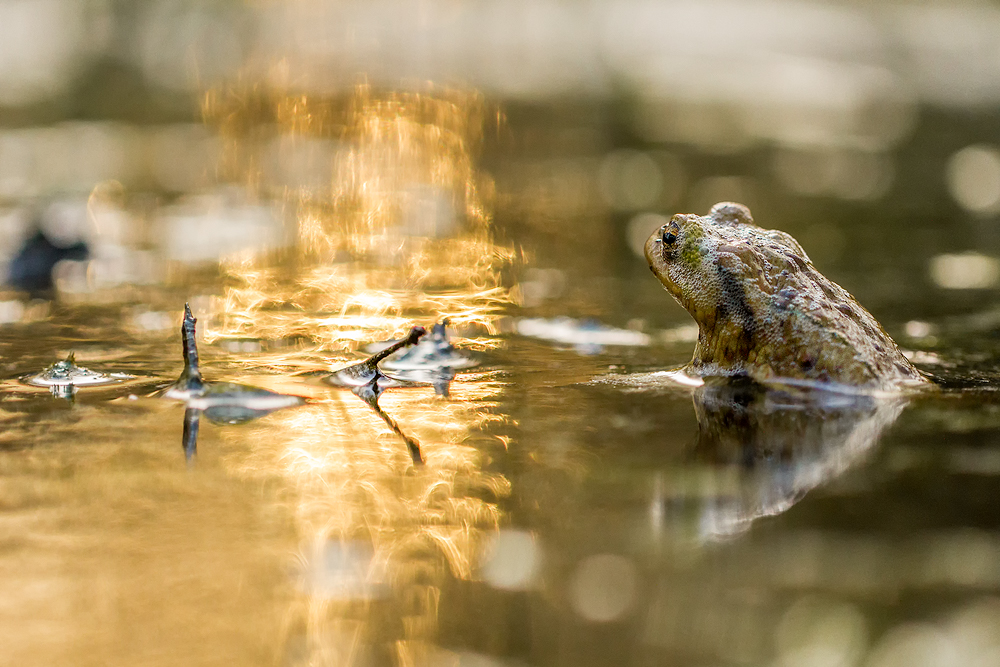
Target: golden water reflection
(378,535)
(389,222)
(399,227)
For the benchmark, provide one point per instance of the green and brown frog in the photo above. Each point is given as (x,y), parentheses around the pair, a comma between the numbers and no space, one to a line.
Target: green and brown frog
(764,311)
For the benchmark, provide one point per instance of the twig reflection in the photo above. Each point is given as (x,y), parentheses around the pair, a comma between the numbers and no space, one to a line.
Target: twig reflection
(189,441)
(221,402)
(369,393)
(367,381)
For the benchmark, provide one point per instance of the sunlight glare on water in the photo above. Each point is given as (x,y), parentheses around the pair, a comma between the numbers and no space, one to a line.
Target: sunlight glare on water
(367,528)
(402,228)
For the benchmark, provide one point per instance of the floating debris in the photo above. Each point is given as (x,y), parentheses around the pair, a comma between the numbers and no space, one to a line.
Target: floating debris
(587,336)
(367,381)
(64,377)
(366,374)
(434,351)
(221,402)
(434,361)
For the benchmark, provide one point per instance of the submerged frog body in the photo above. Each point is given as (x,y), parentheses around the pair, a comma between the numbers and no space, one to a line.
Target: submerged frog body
(763,310)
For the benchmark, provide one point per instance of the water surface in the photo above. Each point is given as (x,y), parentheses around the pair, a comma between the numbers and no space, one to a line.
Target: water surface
(557,520)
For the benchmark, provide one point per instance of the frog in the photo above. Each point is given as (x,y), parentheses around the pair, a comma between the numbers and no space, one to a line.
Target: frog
(764,312)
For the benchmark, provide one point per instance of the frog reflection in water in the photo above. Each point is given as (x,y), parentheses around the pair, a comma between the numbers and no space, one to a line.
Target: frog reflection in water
(766,447)
(763,310)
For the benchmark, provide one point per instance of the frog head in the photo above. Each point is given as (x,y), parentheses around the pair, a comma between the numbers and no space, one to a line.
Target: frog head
(719,267)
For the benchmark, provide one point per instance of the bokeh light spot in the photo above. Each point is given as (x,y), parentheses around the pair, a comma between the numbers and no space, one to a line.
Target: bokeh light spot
(968,270)
(974,630)
(603,587)
(820,633)
(630,179)
(973,176)
(915,645)
(510,560)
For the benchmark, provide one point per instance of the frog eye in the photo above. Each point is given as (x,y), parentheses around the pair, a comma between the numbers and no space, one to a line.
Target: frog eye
(669,232)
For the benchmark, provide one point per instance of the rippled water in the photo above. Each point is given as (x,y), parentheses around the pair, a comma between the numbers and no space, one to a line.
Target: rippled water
(571,503)
(557,519)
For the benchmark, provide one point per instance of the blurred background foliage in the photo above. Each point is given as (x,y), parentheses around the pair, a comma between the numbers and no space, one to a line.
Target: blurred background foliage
(846,123)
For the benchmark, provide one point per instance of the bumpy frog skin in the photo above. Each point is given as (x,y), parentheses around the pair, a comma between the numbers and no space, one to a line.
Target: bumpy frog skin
(764,311)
